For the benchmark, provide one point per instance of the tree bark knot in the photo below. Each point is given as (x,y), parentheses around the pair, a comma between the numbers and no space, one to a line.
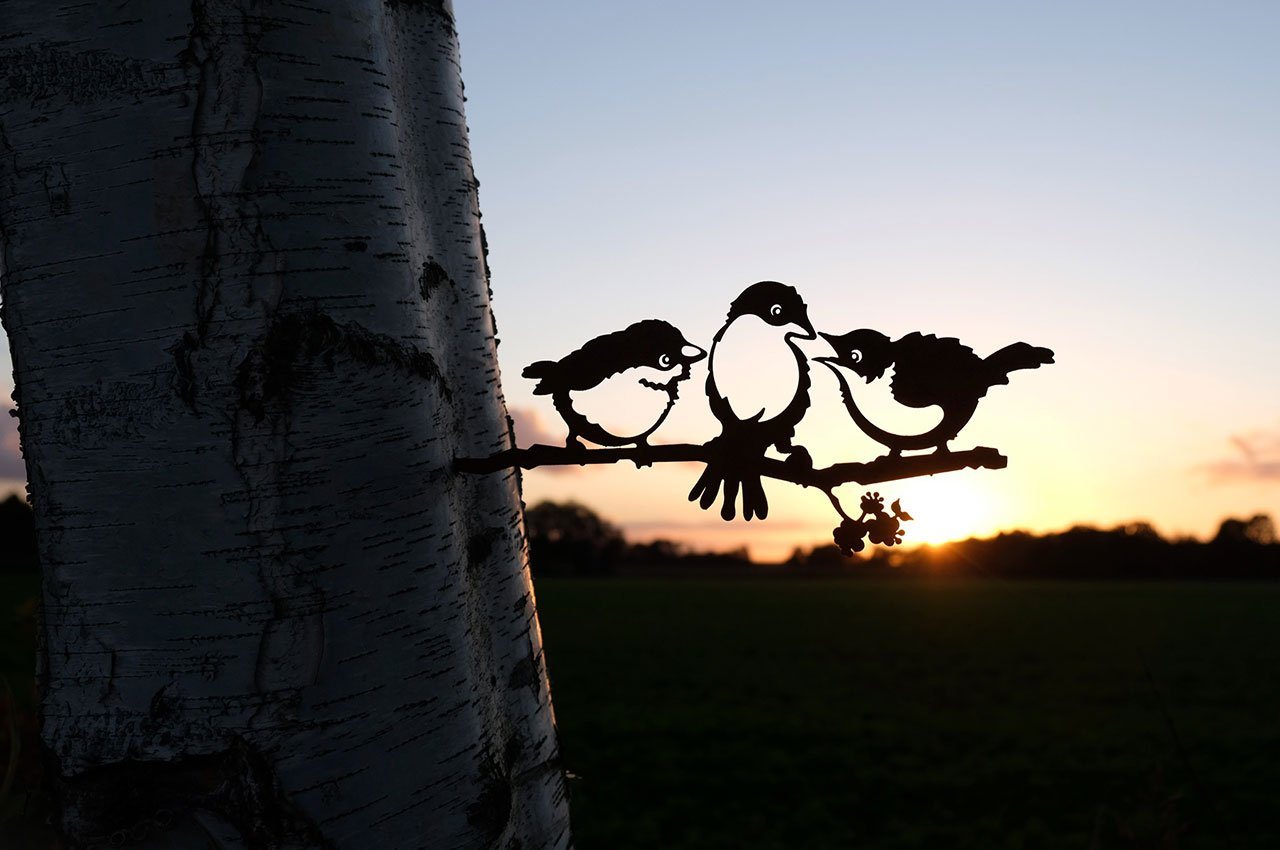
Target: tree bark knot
(433,277)
(270,371)
(491,810)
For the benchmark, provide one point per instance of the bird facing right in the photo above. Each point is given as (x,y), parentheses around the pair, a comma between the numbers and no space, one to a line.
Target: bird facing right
(758,388)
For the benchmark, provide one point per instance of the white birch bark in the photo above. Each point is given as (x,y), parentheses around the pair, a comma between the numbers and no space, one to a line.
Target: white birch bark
(246,294)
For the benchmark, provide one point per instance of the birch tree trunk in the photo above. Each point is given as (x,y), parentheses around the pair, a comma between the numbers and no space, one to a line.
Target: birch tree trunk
(246,293)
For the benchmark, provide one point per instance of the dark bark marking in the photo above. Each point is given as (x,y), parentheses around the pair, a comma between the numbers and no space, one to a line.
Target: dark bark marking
(128,801)
(432,278)
(491,811)
(488,282)
(481,544)
(226,216)
(439,7)
(269,371)
(511,431)
(164,704)
(57,188)
(527,672)
(184,373)
(484,256)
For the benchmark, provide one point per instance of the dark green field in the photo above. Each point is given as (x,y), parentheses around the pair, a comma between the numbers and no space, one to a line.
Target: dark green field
(771,714)
(846,714)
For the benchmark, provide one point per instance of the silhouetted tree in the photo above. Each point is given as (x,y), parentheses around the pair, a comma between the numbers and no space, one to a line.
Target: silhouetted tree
(1258,529)
(570,538)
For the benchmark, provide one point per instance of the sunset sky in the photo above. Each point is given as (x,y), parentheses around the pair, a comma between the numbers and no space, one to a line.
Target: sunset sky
(1099,178)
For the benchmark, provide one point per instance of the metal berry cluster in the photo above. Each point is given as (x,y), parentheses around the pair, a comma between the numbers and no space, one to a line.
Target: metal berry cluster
(875,525)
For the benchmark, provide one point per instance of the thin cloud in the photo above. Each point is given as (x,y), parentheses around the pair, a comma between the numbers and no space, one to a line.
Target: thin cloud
(1257,459)
(530,428)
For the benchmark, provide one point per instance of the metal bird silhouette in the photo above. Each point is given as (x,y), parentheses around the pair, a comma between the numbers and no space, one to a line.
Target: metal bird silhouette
(927,371)
(758,386)
(755,414)
(633,371)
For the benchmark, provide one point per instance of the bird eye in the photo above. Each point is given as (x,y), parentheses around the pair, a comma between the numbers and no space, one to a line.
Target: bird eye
(775,310)
(855,356)
(664,361)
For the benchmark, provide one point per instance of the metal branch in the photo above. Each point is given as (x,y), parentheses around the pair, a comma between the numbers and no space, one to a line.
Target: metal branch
(872,472)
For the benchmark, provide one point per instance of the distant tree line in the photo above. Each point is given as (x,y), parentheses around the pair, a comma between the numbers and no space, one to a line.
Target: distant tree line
(568,538)
(571,539)
(1242,549)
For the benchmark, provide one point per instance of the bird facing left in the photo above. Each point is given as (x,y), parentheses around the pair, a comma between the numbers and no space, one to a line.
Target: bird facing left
(617,389)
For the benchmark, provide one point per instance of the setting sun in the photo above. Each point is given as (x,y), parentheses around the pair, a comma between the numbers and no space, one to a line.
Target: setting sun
(946,508)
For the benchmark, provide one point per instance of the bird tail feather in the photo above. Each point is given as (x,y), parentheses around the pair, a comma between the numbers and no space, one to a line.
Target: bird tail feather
(540,371)
(1011,358)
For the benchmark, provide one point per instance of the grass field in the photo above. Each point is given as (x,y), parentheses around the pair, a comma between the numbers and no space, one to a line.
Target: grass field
(806,715)
(759,714)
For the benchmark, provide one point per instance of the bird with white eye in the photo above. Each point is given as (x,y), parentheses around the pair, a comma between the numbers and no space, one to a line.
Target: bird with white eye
(926,371)
(758,387)
(617,389)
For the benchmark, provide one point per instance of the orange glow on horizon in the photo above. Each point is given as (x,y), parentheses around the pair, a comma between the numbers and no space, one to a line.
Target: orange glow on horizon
(945,508)
(949,507)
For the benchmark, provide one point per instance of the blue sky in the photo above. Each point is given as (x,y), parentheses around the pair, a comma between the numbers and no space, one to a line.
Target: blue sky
(1100,178)
(1103,179)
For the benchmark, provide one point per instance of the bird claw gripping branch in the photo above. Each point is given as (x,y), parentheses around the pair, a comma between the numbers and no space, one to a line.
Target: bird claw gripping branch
(637,371)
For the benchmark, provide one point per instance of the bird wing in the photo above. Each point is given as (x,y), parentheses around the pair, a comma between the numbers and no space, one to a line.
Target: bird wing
(881,402)
(930,370)
(754,369)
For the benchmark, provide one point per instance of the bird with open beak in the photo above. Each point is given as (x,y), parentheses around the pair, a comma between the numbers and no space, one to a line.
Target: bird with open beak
(927,371)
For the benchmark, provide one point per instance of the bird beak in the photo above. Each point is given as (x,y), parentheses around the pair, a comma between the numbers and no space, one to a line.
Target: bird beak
(832,362)
(805,325)
(691,353)
(830,339)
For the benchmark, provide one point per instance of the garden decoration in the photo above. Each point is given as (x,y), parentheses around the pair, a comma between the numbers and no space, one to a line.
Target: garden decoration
(644,364)
(645,356)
